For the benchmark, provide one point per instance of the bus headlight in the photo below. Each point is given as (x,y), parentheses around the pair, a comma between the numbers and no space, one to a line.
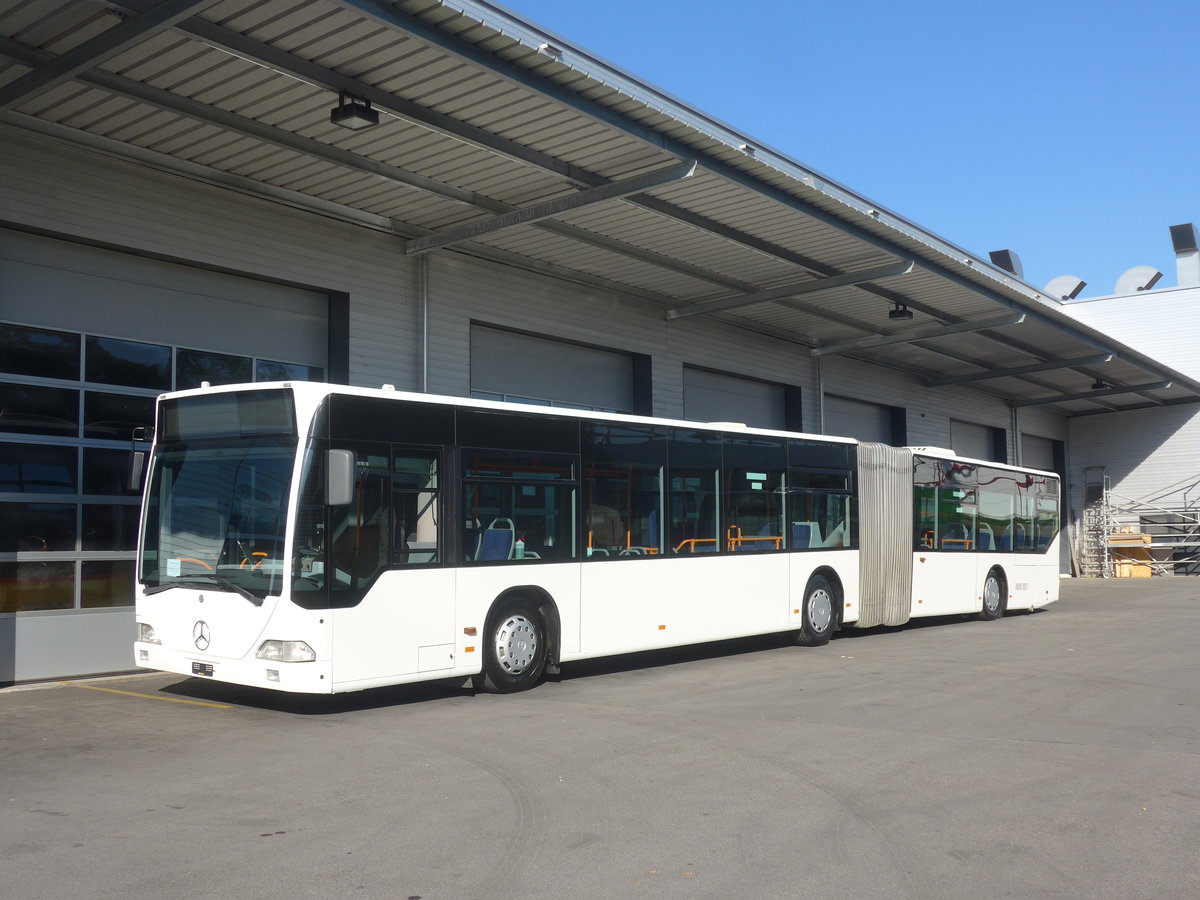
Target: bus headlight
(286,651)
(146,635)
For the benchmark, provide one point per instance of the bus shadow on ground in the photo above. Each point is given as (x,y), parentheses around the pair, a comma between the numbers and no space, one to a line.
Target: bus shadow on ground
(317,704)
(449,689)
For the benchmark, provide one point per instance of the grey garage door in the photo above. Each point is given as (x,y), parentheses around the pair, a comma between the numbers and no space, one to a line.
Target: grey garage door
(88,338)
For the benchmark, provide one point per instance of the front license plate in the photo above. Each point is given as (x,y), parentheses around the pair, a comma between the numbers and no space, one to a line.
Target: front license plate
(202,669)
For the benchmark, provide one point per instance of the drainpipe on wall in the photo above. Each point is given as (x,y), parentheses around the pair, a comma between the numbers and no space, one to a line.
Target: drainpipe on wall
(820,398)
(1018,451)
(423,270)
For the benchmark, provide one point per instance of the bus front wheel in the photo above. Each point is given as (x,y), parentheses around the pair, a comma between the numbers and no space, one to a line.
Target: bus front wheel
(514,655)
(816,615)
(993,596)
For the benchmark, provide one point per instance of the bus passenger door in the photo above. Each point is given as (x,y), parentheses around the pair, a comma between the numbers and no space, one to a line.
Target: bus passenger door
(393,600)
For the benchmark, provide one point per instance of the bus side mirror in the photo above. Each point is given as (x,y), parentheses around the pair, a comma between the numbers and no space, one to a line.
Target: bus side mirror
(339,477)
(134,471)
(136,468)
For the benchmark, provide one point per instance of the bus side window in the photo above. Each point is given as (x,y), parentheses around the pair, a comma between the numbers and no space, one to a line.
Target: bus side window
(518,505)
(415,507)
(819,509)
(360,531)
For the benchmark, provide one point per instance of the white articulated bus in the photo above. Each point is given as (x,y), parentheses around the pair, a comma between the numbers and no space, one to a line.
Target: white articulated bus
(315,538)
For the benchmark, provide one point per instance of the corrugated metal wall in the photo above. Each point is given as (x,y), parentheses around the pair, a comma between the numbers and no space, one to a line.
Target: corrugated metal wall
(75,193)
(1147,453)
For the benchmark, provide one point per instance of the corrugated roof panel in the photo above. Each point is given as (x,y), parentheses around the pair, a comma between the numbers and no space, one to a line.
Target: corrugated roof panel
(288,105)
(161,52)
(212,146)
(647,229)
(271,20)
(65,102)
(135,124)
(10,71)
(178,134)
(21,18)
(68,26)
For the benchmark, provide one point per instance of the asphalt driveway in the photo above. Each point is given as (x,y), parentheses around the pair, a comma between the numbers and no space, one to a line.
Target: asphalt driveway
(1054,754)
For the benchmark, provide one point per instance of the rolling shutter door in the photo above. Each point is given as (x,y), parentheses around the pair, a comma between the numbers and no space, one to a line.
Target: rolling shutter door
(972,441)
(73,287)
(506,365)
(853,418)
(1037,452)
(712,397)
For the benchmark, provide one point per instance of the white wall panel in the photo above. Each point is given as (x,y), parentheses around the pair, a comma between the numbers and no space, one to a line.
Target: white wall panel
(1148,454)
(1162,324)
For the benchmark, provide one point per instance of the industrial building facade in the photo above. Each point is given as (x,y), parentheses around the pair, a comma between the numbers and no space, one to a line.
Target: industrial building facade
(181,200)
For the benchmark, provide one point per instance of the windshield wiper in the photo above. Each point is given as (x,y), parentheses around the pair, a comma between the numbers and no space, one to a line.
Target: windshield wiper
(220,580)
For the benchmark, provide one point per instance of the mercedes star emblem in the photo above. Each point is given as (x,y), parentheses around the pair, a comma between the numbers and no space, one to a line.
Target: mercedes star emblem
(201,635)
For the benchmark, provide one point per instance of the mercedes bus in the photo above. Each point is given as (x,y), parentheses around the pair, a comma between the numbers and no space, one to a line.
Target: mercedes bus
(318,538)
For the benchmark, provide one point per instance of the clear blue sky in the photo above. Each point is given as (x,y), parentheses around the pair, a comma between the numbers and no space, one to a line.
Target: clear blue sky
(1065,130)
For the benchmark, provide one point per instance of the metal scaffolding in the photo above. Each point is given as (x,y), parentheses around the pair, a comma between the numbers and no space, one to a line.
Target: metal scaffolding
(1131,537)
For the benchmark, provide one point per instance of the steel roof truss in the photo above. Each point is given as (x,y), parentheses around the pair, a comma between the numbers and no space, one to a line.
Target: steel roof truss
(791,290)
(280,137)
(309,72)
(1092,395)
(550,209)
(319,76)
(103,46)
(1048,366)
(412,24)
(921,334)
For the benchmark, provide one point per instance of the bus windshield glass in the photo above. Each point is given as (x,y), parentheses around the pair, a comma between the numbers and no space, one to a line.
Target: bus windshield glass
(216,508)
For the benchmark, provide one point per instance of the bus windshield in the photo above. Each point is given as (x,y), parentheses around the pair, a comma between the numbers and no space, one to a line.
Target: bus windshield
(215,515)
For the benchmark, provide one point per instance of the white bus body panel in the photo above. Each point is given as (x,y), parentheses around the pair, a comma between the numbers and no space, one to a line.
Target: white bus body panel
(403,626)
(235,630)
(661,603)
(950,583)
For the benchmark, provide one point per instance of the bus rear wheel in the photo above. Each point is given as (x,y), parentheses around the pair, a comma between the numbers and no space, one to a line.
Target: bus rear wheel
(817,612)
(514,655)
(993,596)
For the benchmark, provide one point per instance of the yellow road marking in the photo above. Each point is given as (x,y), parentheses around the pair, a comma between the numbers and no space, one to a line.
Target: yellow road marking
(92,687)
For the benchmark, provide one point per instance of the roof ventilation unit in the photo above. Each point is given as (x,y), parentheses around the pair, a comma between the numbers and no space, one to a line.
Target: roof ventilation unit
(1187,254)
(1065,287)
(1139,278)
(1008,261)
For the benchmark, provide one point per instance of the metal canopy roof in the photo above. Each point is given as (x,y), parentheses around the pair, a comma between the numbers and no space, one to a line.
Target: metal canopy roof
(502,140)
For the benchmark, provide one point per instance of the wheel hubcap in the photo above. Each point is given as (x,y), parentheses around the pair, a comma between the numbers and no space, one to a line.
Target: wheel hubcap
(820,609)
(516,644)
(991,595)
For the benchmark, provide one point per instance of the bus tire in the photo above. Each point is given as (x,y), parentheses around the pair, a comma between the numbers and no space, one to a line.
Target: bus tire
(993,596)
(514,655)
(817,612)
